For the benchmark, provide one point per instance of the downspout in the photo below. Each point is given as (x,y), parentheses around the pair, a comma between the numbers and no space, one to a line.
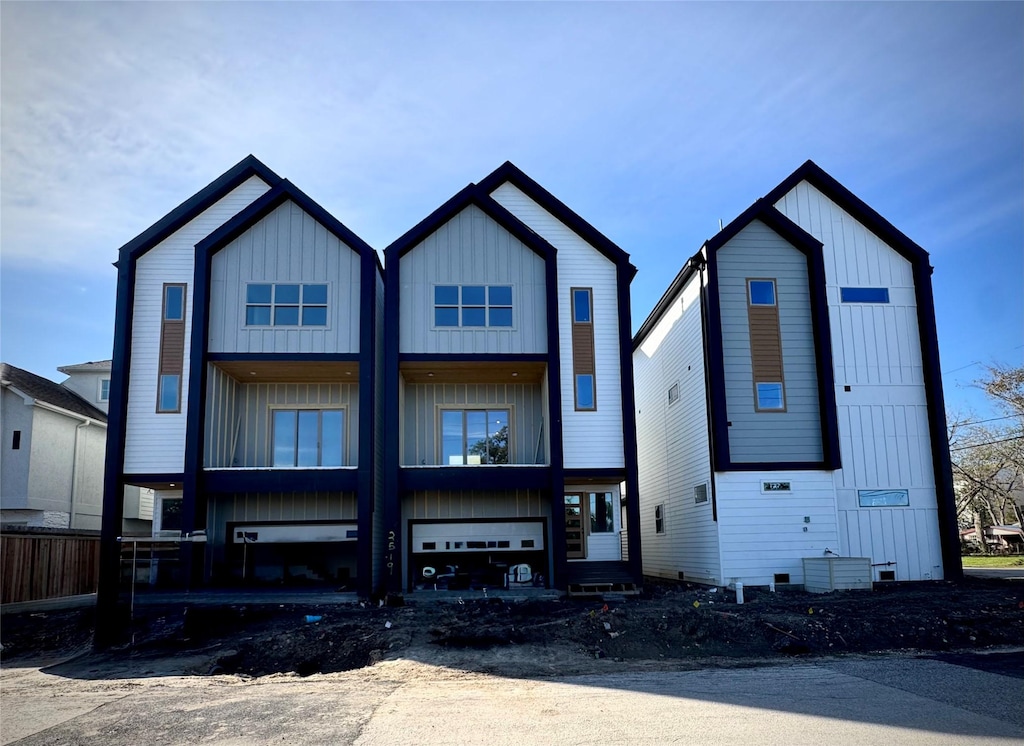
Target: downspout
(74,471)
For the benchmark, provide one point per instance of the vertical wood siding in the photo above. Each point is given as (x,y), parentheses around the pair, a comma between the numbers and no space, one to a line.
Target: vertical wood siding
(288,245)
(475,504)
(472,249)
(240,424)
(672,444)
(589,439)
(421,426)
(883,422)
(155,443)
(795,434)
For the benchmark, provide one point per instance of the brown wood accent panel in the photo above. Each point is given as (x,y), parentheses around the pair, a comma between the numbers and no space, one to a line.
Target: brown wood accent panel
(469,372)
(292,371)
(172,347)
(765,343)
(583,348)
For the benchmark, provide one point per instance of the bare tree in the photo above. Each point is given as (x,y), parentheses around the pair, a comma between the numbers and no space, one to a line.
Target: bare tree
(988,456)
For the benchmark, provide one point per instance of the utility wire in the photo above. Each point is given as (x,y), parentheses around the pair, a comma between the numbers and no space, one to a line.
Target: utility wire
(989,443)
(990,419)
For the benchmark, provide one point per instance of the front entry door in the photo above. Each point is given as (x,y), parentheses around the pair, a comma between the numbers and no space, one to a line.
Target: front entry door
(575,526)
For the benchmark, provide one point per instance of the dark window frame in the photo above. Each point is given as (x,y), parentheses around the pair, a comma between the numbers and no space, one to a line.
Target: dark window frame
(301,305)
(485,305)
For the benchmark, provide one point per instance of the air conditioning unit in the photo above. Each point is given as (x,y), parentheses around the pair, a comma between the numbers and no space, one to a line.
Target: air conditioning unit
(825,574)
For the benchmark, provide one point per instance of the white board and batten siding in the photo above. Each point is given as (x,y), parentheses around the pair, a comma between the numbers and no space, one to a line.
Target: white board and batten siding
(591,439)
(766,533)
(472,249)
(155,443)
(287,246)
(672,445)
(883,419)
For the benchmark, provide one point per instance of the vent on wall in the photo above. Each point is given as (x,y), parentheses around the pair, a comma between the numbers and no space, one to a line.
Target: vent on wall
(782,577)
(887,575)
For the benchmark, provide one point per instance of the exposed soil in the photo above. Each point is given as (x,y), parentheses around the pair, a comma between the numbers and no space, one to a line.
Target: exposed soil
(670,625)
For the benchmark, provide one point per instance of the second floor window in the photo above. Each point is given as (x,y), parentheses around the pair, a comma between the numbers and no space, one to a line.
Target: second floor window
(473,306)
(286,304)
(474,436)
(308,437)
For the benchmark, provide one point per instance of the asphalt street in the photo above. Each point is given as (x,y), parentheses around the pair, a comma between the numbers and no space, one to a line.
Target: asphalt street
(883,700)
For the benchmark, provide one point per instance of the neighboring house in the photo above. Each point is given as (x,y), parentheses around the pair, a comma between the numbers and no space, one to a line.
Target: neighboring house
(51,463)
(508,426)
(1001,538)
(243,390)
(91,381)
(789,399)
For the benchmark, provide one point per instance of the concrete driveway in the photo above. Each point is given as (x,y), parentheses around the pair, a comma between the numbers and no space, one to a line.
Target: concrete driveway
(883,700)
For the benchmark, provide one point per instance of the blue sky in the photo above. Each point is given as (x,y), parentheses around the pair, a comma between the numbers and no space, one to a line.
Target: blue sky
(653,121)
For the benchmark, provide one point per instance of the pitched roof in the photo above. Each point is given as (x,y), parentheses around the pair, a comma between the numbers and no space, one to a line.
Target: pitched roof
(231,179)
(263,205)
(94,366)
(509,172)
(49,392)
(815,175)
(469,195)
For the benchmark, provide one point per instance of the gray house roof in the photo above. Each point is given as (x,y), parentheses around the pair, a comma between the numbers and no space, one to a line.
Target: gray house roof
(45,390)
(94,366)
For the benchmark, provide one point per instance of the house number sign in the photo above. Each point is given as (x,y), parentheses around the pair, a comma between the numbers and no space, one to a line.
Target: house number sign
(767,487)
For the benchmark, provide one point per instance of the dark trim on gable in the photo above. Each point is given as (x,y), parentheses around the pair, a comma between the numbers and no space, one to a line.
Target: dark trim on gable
(397,480)
(509,172)
(281,192)
(205,198)
(470,195)
(198,482)
(813,174)
(812,249)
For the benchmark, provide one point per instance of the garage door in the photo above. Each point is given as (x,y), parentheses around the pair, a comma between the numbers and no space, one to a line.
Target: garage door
(475,537)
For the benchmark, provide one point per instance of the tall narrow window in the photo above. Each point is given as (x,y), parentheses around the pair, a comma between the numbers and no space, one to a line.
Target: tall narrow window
(172,349)
(602,513)
(765,345)
(104,389)
(16,440)
(583,363)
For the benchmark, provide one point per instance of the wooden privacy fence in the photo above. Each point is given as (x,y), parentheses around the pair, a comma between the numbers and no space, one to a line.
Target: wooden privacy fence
(38,567)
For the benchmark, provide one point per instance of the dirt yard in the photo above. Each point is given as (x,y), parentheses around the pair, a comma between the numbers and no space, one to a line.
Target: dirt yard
(670,626)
